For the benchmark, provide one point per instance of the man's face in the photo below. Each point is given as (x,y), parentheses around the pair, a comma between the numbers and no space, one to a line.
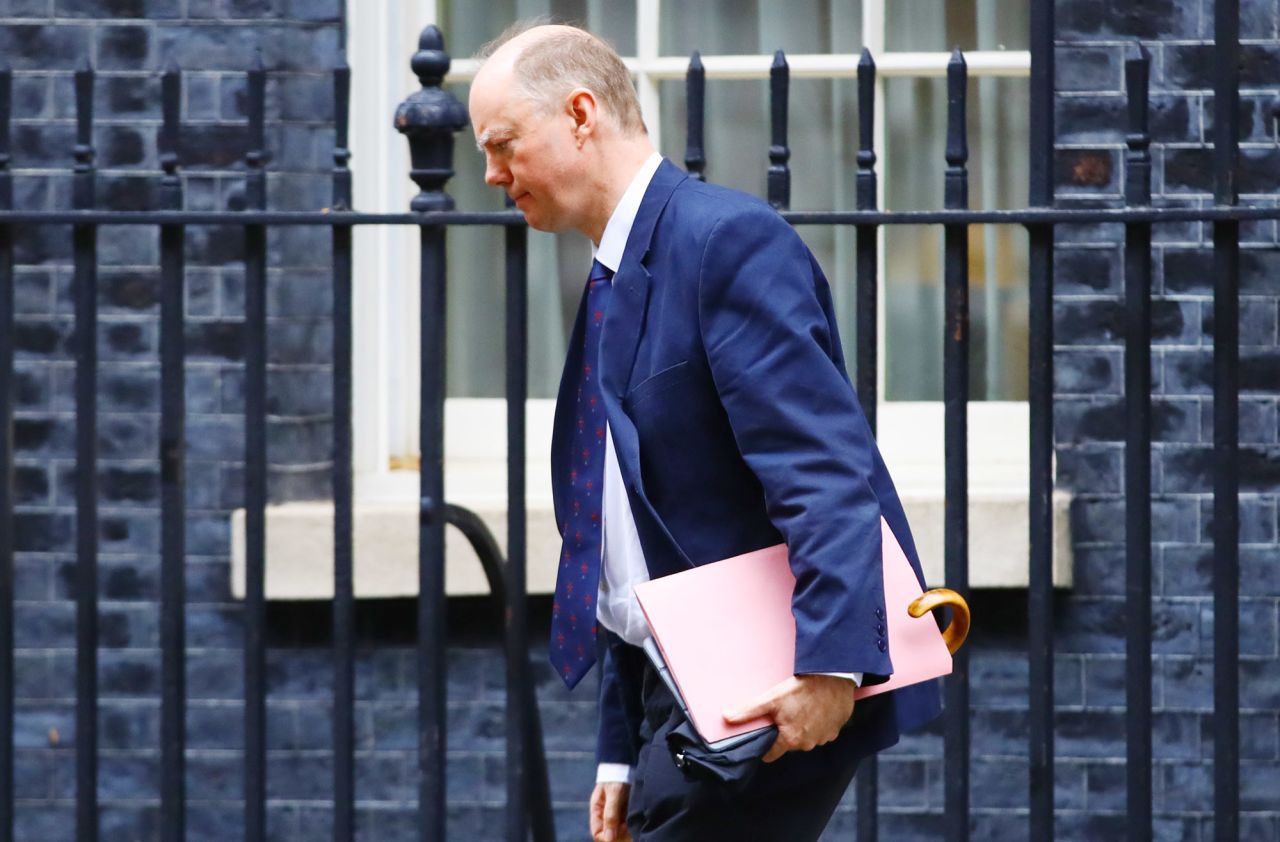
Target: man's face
(529,152)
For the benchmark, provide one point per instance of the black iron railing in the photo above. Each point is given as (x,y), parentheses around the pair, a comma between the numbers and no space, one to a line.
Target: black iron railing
(430,118)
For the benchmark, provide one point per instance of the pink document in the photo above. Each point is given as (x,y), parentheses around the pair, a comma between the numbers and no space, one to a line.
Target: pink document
(727,634)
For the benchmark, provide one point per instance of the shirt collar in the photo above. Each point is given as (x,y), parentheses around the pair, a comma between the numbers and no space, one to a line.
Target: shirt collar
(614,240)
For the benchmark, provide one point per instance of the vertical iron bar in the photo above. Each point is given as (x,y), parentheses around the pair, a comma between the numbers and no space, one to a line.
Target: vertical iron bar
(867,348)
(1226,426)
(516,615)
(429,118)
(1137,456)
(528,788)
(779,181)
(343,517)
(85,247)
(431,596)
(1040,405)
(255,468)
(6,467)
(172,477)
(956,406)
(695,84)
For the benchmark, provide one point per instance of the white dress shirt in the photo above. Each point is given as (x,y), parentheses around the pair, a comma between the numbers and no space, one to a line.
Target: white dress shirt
(623,565)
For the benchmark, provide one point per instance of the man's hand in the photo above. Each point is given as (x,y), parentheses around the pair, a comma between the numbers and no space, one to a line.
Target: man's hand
(609,812)
(809,711)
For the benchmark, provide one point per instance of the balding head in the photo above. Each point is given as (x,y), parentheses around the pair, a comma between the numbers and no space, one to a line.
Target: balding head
(557,120)
(547,62)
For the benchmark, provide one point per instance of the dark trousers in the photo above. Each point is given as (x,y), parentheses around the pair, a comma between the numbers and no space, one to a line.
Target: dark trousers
(789,800)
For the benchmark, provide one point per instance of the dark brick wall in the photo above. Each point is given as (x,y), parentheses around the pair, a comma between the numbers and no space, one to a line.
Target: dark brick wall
(129,41)
(1090,111)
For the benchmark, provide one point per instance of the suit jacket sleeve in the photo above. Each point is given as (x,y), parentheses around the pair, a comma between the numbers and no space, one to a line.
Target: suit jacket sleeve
(617,734)
(763,310)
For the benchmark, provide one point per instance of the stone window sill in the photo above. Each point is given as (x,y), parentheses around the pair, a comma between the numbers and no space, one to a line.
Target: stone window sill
(300,535)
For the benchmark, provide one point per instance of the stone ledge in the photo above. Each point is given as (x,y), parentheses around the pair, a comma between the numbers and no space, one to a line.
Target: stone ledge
(300,545)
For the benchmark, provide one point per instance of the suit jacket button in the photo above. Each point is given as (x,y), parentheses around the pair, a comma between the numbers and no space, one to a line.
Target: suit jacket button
(879,613)
(880,630)
(882,645)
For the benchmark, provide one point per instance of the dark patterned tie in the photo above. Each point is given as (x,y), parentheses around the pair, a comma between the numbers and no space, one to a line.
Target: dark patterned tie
(573,613)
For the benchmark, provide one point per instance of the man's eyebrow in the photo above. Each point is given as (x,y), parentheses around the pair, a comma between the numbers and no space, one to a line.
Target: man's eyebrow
(489,135)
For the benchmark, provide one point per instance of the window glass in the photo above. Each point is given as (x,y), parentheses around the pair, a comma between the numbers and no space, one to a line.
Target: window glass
(913,167)
(931,26)
(735,27)
(823,141)
(467,25)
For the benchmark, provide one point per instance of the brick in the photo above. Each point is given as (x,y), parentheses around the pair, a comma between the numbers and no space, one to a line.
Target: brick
(1257,520)
(1257,786)
(44,47)
(1087,171)
(1257,619)
(46,822)
(126,48)
(29,9)
(1101,321)
(1191,65)
(1088,68)
(131,724)
(1258,422)
(127,627)
(1091,372)
(1078,271)
(312,10)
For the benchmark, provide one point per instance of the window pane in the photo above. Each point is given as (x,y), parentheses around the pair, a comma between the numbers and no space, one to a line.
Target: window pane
(914,164)
(467,25)
(823,141)
(929,26)
(558,266)
(735,27)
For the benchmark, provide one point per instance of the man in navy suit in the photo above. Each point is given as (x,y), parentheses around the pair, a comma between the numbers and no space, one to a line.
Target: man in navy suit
(704,412)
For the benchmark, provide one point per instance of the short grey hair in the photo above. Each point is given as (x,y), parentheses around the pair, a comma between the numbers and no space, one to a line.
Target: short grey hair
(549,68)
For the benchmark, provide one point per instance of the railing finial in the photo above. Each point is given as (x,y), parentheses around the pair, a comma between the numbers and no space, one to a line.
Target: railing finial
(695,158)
(428,119)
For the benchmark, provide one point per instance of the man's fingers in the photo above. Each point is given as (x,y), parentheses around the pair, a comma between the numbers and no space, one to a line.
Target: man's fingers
(762,706)
(615,808)
(595,811)
(780,747)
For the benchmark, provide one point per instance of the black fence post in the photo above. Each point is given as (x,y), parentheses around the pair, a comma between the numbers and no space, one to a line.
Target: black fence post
(1040,409)
(344,791)
(6,466)
(255,468)
(956,409)
(1226,426)
(85,256)
(866,368)
(779,180)
(429,118)
(695,83)
(173,505)
(1137,456)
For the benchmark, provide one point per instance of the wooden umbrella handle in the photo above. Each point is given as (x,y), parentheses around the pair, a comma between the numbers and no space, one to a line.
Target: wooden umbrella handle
(958,630)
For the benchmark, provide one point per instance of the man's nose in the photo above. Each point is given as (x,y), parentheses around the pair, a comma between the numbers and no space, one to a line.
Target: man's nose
(495,175)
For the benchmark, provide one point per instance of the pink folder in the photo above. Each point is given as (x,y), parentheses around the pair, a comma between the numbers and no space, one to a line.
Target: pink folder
(727,633)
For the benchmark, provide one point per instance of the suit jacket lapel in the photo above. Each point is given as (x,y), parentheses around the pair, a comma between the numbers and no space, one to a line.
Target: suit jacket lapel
(631,284)
(619,341)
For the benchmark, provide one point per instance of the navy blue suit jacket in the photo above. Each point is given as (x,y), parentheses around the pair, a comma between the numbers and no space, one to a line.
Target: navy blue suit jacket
(736,427)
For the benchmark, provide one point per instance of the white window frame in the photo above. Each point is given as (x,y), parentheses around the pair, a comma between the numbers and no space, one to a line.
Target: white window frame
(381,38)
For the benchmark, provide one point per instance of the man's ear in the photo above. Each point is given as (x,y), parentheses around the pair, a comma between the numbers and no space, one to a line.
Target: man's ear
(584,111)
